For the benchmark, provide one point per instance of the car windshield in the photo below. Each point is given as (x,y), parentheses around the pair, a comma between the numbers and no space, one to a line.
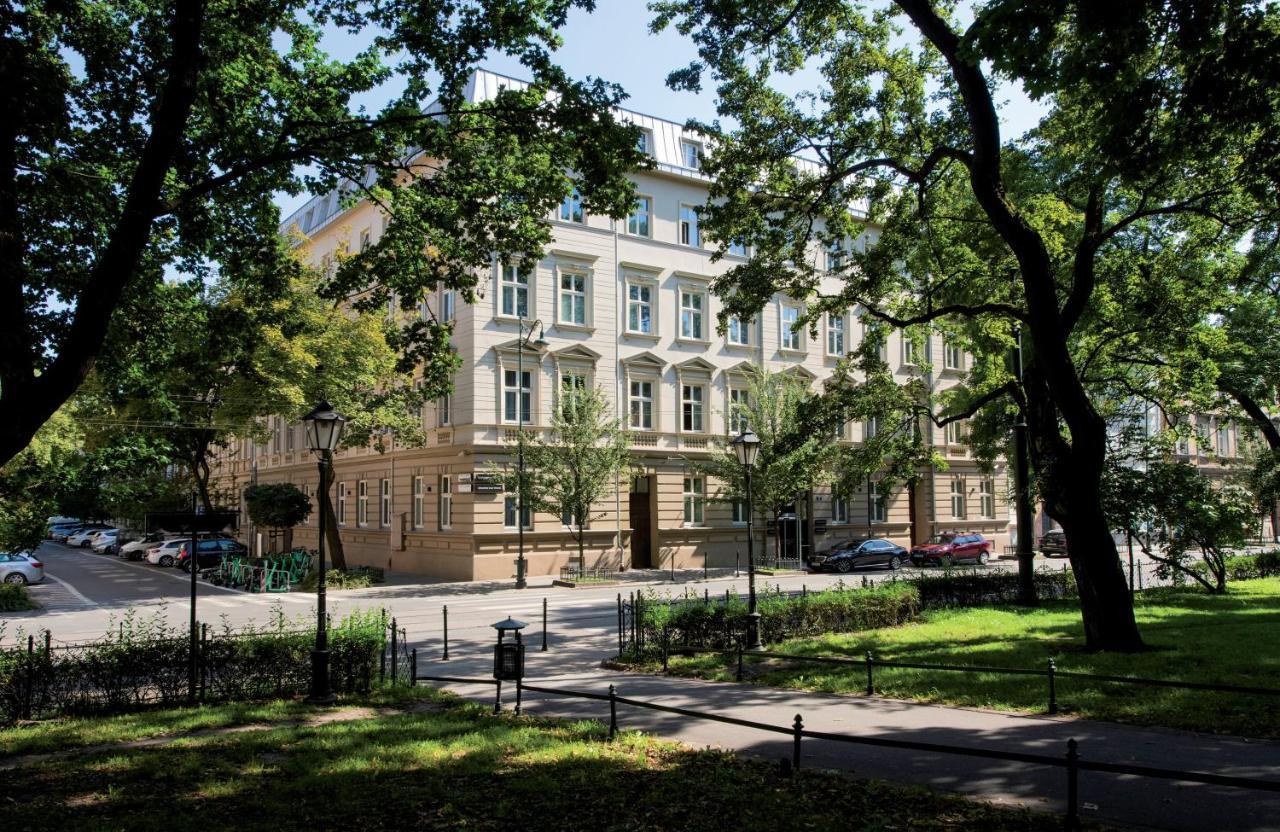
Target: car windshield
(851,543)
(942,538)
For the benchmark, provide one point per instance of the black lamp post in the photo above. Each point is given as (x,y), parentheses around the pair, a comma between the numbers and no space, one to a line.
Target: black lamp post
(324,431)
(521,566)
(747,448)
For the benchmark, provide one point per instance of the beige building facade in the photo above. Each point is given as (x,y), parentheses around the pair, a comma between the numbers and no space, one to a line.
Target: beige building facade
(626,307)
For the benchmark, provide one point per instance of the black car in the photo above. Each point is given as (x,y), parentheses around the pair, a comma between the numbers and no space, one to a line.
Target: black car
(844,557)
(210,553)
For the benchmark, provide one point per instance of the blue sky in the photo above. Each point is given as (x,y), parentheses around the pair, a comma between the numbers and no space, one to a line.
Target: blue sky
(614,43)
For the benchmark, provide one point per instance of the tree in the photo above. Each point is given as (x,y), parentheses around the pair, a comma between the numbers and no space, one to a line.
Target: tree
(144,136)
(277,506)
(793,457)
(976,233)
(574,467)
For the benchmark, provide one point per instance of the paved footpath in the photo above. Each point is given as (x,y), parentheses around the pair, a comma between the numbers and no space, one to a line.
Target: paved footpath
(1125,800)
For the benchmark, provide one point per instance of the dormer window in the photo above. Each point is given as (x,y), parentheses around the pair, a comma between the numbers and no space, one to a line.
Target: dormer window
(690,154)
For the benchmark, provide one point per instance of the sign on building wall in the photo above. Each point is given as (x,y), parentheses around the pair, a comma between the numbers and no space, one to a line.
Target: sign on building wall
(488,484)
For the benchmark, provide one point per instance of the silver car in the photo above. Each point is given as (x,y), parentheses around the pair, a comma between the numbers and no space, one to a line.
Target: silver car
(20,568)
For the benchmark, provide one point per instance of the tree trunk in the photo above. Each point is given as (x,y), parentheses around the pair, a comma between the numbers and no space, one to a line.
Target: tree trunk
(200,472)
(582,556)
(333,541)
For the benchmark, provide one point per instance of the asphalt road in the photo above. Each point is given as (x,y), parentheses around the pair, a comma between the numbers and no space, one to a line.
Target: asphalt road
(87,593)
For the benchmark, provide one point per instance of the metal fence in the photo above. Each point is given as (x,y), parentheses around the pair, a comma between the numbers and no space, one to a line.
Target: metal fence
(1071,760)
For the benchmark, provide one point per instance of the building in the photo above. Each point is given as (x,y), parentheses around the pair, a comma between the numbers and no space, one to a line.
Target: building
(626,308)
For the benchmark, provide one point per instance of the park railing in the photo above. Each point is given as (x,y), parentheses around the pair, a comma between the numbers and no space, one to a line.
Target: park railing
(1071,761)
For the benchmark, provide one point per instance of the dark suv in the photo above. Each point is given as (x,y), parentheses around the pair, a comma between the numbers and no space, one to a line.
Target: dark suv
(1053,543)
(210,553)
(950,547)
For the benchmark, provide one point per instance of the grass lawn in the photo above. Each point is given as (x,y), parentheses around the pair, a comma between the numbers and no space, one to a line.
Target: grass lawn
(1194,637)
(432,762)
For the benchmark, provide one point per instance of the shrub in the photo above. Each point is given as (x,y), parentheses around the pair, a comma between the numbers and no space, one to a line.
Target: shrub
(971,588)
(1248,567)
(145,662)
(14,598)
(357,577)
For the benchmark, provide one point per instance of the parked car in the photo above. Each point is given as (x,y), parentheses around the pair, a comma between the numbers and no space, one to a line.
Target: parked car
(1053,543)
(20,568)
(165,553)
(136,547)
(209,552)
(61,524)
(947,548)
(104,542)
(845,556)
(61,532)
(84,537)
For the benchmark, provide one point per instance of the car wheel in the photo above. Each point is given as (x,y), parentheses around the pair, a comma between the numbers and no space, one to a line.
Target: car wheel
(895,563)
(948,561)
(983,557)
(15,578)
(166,560)
(844,566)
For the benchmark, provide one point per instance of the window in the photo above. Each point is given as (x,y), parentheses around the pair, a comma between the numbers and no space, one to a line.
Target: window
(694,501)
(366,240)
(691,303)
(738,248)
(446,306)
(384,500)
(573,298)
(872,428)
(644,142)
(443,406)
(835,334)
(908,351)
(739,511)
(517,394)
(690,154)
(836,256)
(689,226)
(839,508)
(418,495)
(307,492)
(956,432)
(1223,439)
(288,438)
(342,504)
(642,405)
(691,407)
(739,332)
(514,292)
(739,402)
(639,223)
(957,498)
(510,505)
(987,497)
(790,335)
(878,508)
(640,308)
(953,357)
(362,503)
(446,502)
(571,381)
(571,207)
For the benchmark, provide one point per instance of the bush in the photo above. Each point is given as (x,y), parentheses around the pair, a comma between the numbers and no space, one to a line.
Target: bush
(147,662)
(14,598)
(1248,567)
(718,624)
(357,577)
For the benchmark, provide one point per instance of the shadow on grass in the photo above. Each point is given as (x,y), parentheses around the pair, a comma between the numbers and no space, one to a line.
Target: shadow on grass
(461,769)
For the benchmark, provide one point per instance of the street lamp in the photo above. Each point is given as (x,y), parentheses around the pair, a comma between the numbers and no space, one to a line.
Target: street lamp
(324,431)
(747,447)
(521,413)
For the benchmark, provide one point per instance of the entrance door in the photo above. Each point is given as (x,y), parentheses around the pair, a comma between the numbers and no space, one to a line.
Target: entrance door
(641,515)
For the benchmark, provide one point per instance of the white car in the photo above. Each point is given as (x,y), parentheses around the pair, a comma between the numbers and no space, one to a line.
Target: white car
(166,553)
(104,541)
(137,549)
(20,568)
(84,538)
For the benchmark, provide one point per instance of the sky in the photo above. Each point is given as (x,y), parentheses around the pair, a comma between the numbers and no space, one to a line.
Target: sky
(614,43)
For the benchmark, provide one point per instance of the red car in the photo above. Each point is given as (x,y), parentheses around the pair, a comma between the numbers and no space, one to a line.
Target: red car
(950,547)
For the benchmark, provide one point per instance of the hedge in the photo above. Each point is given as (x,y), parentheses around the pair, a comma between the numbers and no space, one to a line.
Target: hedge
(15,598)
(717,624)
(144,663)
(1248,567)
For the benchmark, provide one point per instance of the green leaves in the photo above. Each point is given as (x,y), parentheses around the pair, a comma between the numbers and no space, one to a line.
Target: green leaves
(277,505)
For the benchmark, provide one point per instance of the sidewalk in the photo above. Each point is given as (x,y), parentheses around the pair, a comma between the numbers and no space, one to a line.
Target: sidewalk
(1127,800)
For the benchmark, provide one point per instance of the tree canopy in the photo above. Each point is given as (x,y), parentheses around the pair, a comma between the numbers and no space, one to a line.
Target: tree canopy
(1110,220)
(145,136)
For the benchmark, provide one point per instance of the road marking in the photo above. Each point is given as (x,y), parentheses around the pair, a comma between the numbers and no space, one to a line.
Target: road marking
(80,595)
(218,602)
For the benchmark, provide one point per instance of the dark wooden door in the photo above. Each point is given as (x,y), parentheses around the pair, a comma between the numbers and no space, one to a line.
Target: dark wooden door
(641,545)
